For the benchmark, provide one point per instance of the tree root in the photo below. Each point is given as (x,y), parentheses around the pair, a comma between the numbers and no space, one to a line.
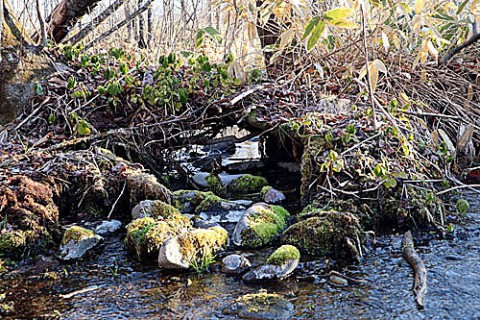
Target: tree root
(409,253)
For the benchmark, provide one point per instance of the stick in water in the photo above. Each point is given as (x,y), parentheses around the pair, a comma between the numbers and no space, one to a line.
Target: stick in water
(409,253)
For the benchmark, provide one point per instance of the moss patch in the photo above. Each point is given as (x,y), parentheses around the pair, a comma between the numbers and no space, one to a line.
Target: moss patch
(247,184)
(283,254)
(215,185)
(210,203)
(187,200)
(76,233)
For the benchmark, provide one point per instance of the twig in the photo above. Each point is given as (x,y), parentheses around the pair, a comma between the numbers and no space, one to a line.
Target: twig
(360,143)
(462,46)
(118,198)
(409,253)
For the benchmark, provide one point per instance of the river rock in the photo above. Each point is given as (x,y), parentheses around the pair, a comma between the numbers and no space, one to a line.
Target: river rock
(146,235)
(107,227)
(195,248)
(188,200)
(246,184)
(216,209)
(326,233)
(261,306)
(260,225)
(77,241)
(235,264)
(271,195)
(281,263)
(155,209)
(143,186)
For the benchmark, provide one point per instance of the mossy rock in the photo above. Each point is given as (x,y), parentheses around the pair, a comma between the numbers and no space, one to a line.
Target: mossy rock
(260,225)
(193,249)
(247,184)
(187,200)
(284,254)
(210,203)
(77,241)
(326,233)
(262,305)
(215,185)
(144,186)
(145,236)
(160,210)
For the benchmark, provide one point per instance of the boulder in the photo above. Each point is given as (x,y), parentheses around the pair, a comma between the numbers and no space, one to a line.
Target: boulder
(235,264)
(193,249)
(271,195)
(261,305)
(260,225)
(146,235)
(77,241)
(326,233)
(215,209)
(281,263)
(107,227)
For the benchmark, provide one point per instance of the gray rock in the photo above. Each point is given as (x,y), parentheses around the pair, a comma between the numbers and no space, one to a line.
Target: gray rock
(261,306)
(273,196)
(77,241)
(142,210)
(235,264)
(271,271)
(107,227)
(215,209)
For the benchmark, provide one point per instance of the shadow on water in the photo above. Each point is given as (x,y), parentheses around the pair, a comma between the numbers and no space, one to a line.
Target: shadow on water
(120,289)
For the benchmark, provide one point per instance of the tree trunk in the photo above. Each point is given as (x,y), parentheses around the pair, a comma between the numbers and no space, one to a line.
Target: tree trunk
(66,14)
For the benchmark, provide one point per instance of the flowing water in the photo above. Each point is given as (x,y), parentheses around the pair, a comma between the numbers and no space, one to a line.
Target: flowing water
(117,288)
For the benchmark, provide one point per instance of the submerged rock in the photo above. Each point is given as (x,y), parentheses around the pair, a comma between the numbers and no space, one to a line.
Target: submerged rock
(261,306)
(326,233)
(107,227)
(235,264)
(215,209)
(186,201)
(271,195)
(146,235)
(281,263)
(77,241)
(260,225)
(193,249)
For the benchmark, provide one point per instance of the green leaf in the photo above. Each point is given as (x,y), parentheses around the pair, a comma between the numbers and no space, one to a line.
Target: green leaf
(71,83)
(339,14)
(379,170)
(183,95)
(316,34)
(82,128)
(38,89)
(310,25)
(101,90)
(390,183)
(350,128)
(52,118)
(462,6)
(462,206)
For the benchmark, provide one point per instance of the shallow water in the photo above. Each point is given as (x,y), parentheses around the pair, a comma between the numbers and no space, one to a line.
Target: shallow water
(121,289)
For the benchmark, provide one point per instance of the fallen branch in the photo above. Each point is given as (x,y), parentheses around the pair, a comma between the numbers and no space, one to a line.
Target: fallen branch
(474,38)
(409,253)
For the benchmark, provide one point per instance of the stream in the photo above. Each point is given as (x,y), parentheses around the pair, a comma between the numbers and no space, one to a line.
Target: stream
(118,288)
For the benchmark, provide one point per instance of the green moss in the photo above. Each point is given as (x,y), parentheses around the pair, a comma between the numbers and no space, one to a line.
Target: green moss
(188,200)
(209,203)
(266,224)
(76,233)
(215,185)
(247,184)
(260,300)
(283,254)
(12,240)
(264,191)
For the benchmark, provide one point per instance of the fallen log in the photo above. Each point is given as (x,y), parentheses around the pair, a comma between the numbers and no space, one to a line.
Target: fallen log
(409,253)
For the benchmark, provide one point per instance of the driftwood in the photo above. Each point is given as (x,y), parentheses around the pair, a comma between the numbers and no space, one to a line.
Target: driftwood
(409,253)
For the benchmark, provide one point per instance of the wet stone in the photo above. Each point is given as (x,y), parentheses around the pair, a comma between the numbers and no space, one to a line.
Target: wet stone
(235,264)
(107,227)
(77,241)
(273,196)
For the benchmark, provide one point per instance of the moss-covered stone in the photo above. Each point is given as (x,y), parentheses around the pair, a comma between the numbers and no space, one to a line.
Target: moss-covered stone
(283,255)
(76,233)
(209,203)
(76,242)
(143,186)
(187,200)
(215,184)
(247,184)
(262,305)
(260,225)
(193,249)
(325,233)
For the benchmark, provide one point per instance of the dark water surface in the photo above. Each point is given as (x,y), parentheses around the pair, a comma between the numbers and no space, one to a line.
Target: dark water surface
(120,289)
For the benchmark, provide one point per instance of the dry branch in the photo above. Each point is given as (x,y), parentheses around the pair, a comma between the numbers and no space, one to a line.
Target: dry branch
(409,253)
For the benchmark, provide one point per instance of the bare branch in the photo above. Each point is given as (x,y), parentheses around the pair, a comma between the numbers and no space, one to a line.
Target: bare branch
(475,37)
(43,28)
